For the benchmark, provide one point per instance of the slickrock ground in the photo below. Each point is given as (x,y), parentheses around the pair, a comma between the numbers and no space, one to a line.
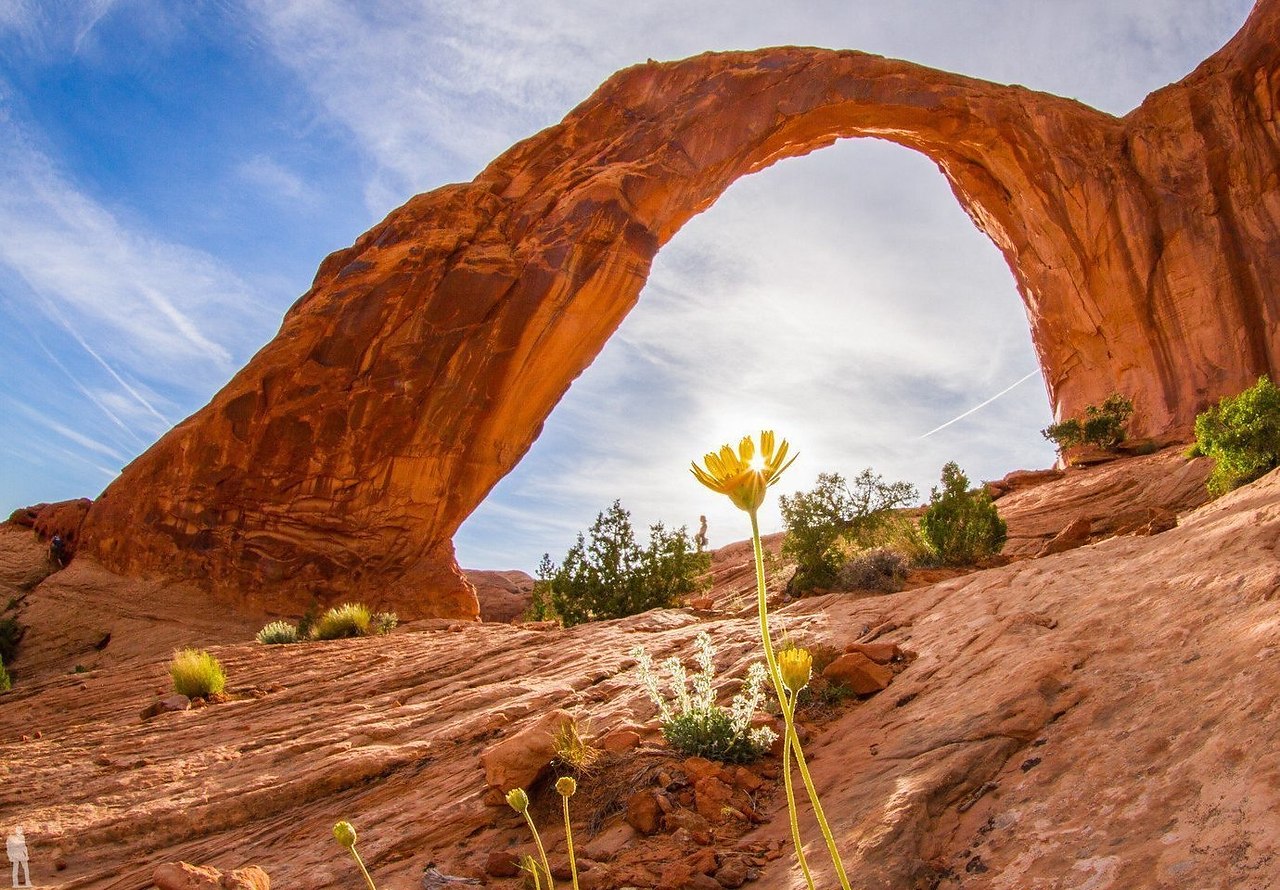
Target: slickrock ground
(1100,718)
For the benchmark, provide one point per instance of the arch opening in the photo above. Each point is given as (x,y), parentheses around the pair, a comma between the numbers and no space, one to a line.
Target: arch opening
(843,298)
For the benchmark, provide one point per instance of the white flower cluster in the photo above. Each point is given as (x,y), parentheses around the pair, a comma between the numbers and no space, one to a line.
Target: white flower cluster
(702,699)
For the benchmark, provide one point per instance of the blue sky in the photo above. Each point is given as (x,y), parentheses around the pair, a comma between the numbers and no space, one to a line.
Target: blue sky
(172,173)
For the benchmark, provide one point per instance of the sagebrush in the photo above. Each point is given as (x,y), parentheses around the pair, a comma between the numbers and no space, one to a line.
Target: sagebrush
(5,683)
(876,569)
(692,722)
(1242,435)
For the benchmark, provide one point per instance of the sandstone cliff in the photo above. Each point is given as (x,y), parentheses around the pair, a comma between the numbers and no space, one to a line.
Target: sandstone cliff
(420,366)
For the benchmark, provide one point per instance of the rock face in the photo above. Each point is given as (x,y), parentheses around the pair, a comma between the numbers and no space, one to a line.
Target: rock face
(420,366)
(1107,718)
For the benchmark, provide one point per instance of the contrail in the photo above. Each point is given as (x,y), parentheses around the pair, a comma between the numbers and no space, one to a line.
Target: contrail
(983,405)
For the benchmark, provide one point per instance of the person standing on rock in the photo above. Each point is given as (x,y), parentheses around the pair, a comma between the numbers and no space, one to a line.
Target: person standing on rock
(700,539)
(58,551)
(16,847)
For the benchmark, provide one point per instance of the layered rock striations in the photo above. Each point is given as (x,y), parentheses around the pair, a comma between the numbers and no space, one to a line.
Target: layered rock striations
(420,366)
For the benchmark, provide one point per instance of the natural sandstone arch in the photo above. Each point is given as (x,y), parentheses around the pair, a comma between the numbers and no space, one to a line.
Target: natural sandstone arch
(420,366)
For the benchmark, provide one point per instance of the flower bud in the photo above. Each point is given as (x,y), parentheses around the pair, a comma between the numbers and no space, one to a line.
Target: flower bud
(566,786)
(345,832)
(796,666)
(518,800)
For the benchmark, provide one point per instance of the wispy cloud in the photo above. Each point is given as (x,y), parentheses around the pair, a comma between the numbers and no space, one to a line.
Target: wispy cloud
(275,179)
(157,307)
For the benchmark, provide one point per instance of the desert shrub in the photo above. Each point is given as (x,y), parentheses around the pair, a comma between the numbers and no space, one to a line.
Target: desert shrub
(1100,425)
(196,674)
(278,632)
(384,622)
(835,514)
(340,622)
(573,751)
(607,574)
(961,525)
(1242,435)
(876,569)
(5,683)
(11,633)
(692,722)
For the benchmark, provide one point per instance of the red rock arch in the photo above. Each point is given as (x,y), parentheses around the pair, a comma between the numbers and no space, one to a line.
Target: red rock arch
(420,366)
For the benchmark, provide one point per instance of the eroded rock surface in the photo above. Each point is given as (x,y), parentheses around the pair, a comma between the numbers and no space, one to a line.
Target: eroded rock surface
(1106,717)
(420,366)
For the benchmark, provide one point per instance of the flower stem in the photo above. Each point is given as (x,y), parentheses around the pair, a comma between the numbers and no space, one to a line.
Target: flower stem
(364,871)
(791,810)
(791,738)
(546,866)
(568,836)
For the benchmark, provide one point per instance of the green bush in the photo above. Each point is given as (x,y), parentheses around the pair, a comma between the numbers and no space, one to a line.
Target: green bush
(5,683)
(692,722)
(1102,426)
(1242,435)
(197,674)
(960,525)
(824,522)
(384,622)
(340,622)
(278,632)
(607,574)
(876,569)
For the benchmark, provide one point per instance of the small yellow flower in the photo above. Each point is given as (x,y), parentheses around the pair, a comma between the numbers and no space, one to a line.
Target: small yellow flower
(566,786)
(740,476)
(518,800)
(345,832)
(796,667)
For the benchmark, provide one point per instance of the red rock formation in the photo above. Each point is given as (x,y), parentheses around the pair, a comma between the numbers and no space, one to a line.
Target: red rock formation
(420,366)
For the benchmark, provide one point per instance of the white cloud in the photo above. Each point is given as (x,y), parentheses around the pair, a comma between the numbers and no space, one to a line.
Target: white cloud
(275,179)
(159,309)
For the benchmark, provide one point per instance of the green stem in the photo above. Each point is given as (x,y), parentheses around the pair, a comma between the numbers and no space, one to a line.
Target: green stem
(568,836)
(762,603)
(546,866)
(791,810)
(817,811)
(364,871)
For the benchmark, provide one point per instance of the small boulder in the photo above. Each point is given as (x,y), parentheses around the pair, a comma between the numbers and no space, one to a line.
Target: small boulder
(1076,534)
(175,702)
(181,876)
(515,762)
(859,673)
(643,812)
(880,653)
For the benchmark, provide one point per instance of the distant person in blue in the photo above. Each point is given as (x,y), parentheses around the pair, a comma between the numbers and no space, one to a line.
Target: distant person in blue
(58,551)
(16,847)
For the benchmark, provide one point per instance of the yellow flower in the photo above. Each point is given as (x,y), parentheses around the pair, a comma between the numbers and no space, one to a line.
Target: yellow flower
(741,476)
(345,833)
(566,786)
(518,800)
(796,666)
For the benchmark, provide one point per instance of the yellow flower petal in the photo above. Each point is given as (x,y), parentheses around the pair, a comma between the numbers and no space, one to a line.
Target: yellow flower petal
(733,474)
